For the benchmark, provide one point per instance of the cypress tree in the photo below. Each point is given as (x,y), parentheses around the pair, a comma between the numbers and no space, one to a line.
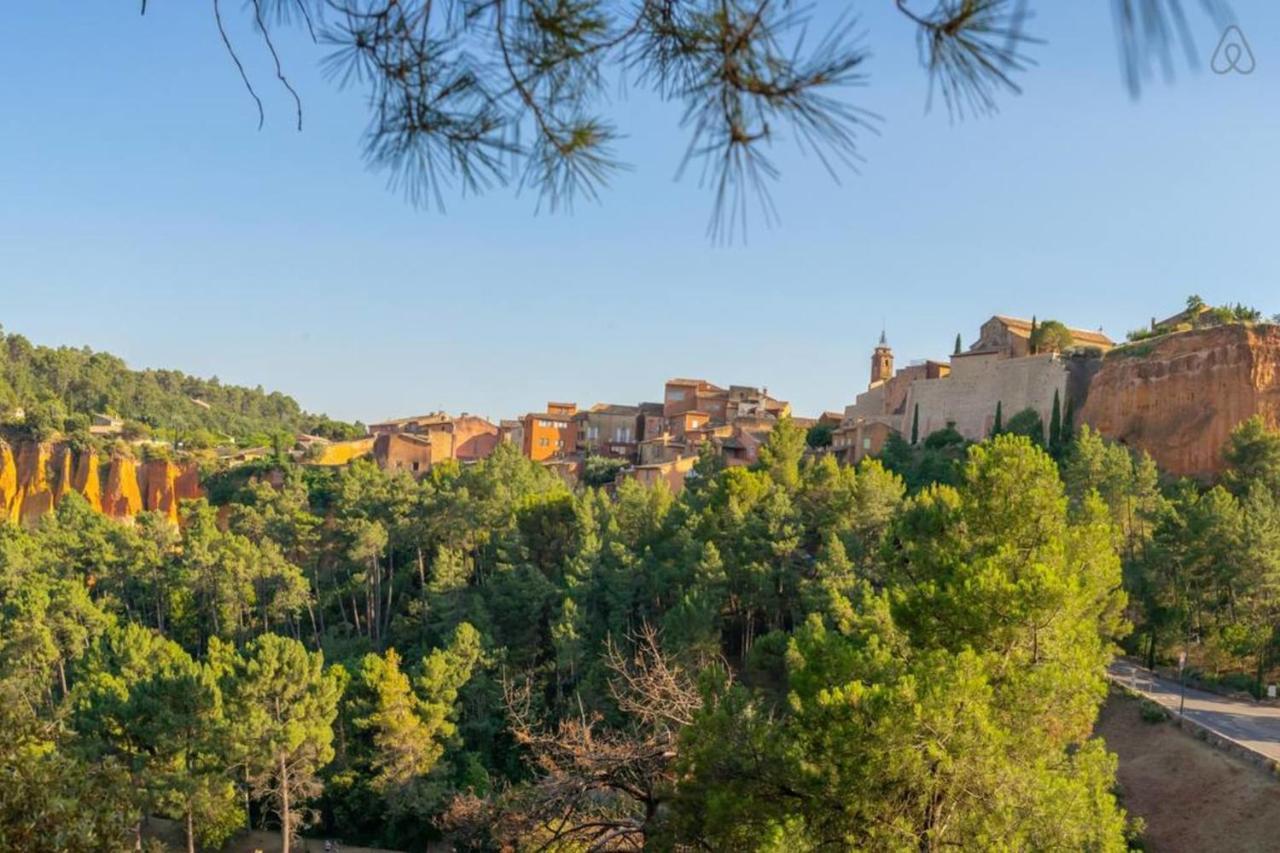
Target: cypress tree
(958,345)
(1031,340)
(1055,422)
(915,426)
(1068,421)
(998,426)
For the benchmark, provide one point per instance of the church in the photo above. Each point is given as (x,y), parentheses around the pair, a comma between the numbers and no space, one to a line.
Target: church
(1001,369)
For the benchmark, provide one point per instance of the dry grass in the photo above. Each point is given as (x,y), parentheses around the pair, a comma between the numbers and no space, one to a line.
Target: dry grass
(1192,796)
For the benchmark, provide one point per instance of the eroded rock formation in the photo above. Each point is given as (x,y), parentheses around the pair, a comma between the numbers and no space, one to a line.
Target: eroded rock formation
(1179,397)
(34,477)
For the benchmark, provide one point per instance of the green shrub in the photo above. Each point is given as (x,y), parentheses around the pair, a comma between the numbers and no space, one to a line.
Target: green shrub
(1152,712)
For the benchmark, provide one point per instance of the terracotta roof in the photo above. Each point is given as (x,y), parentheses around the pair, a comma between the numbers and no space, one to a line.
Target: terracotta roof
(1085,335)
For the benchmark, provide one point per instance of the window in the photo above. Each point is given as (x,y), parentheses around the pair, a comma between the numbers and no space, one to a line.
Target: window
(544,442)
(866,444)
(415,466)
(675,394)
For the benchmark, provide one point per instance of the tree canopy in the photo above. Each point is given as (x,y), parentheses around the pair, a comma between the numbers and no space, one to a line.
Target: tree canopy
(59,389)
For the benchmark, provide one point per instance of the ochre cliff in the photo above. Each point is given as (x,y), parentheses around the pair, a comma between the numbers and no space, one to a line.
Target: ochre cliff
(1180,396)
(34,477)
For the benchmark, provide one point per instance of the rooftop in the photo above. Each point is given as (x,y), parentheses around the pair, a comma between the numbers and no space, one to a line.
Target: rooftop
(1017,324)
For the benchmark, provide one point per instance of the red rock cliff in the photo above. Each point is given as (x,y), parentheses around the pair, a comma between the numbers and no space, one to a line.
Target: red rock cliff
(1179,397)
(34,477)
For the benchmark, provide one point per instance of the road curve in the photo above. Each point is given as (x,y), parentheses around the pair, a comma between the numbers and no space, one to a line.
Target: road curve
(1254,726)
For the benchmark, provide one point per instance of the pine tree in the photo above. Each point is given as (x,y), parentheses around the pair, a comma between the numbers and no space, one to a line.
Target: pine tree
(915,426)
(959,345)
(281,703)
(1055,423)
(997,426)
(1032,338)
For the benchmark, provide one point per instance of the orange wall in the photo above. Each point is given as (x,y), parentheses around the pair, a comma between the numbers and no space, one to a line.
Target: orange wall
(545,437)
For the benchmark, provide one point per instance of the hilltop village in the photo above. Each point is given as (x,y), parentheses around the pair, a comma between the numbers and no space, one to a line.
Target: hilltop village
(1149,393)
(1175,391)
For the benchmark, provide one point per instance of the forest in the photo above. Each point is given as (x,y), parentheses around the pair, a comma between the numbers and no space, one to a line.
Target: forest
(908,654)
(56,390)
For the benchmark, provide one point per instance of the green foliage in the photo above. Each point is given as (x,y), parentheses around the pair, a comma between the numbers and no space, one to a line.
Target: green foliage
(1027,423)
(937,460)
(601,470)
(933,696)
(819,435)
(60,388)
(870,647)
(1253,456)
(1051,336)
(281,704)
(51,802)
(1152,712)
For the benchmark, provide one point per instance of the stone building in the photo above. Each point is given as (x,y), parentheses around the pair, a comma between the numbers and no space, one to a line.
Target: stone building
(998,370)
(1011,336)
(609,429)
(550,434)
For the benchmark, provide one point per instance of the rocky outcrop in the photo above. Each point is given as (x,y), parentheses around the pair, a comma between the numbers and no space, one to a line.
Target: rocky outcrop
(86,479)
(34,477)
(1179,397)
(122,497)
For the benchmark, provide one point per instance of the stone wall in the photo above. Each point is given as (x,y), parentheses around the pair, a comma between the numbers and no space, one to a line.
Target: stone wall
(977,384)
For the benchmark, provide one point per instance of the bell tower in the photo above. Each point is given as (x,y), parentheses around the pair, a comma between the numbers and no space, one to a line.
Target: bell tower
(881,362)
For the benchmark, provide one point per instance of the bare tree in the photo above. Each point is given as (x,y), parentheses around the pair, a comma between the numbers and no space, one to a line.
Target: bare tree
(599,788)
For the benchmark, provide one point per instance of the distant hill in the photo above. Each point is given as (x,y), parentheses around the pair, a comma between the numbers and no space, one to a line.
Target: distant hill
(48,390)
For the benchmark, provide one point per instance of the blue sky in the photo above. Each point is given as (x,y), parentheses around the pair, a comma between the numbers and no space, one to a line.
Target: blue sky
(142,212)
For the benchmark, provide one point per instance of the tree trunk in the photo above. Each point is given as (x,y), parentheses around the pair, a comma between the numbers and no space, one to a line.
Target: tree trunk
(286,831)
(191,831)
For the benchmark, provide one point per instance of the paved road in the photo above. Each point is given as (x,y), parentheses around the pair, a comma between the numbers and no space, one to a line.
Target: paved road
(1255,726)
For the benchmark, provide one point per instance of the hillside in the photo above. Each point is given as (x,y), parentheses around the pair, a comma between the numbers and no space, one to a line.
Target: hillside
(47,390)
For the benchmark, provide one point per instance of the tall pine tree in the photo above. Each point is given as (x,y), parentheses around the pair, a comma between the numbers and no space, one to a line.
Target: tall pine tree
(997,426)
(915,426)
